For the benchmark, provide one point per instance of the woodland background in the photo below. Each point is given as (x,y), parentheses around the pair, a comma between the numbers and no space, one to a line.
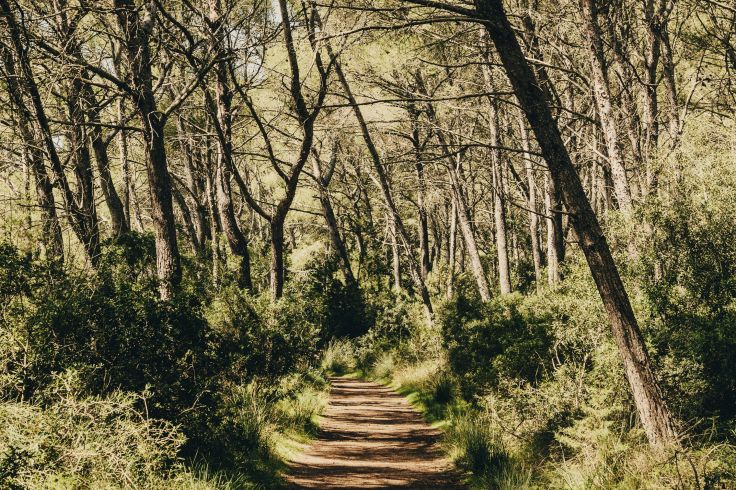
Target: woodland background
(518,213)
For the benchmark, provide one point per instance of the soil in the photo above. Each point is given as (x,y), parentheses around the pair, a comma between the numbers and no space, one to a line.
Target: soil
(370,437)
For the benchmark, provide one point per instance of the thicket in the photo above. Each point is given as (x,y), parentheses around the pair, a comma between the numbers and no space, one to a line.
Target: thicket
(103,384)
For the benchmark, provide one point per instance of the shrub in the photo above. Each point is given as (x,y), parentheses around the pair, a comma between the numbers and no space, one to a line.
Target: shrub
(77,440)
(339,357)
(497,339)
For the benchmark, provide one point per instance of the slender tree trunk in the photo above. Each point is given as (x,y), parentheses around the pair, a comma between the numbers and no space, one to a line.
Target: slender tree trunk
(125,164)
(51,236)
(395,255)
(422,227)
(331,221)
(653,412)
(386,191)
(602,96)
(451,248)
(87,220)
(214,223)
(459,200)
(532,203)
(222,118)
(277,258)
(553,230)
(135,39)
(499,211)
(120,224)
(81,218)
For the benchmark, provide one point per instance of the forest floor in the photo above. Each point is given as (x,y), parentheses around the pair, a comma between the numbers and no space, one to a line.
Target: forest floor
(370,437)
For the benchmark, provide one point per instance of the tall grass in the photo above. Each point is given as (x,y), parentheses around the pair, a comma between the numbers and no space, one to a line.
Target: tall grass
(339,357)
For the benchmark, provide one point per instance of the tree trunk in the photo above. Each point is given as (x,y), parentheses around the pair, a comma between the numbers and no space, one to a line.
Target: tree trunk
(602,96)
(653,412)
(451,249)
(135,39)
(531,203)
(125,165)
(395,255)
(459,200)
(331,221)
(51,236)
(82,217)
(422,226)
(277,258)
(499,211)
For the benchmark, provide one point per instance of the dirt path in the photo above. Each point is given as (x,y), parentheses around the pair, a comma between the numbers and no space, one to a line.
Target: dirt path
(371,438)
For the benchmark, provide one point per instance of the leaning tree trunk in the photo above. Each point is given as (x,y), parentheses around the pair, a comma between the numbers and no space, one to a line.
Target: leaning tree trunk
(51,230)
(82,217)
(223,121)
(655,417)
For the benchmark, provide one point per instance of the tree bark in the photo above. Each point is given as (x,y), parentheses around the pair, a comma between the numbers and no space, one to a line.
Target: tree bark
(653,412)
(602,96)
(323,181)
(451,249)
(81,219)
(531,203)
(499,211)
(51,236)
(135,32)
(222,119)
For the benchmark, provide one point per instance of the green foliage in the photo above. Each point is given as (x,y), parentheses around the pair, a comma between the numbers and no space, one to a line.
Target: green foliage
(256,337)
(690,284)
(339,357)
(487,341)
(74,440)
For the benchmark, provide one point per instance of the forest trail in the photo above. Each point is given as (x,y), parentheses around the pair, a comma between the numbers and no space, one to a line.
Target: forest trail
(370,437)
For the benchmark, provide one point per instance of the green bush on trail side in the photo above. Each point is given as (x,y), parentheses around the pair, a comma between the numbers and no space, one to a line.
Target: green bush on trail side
(103,382)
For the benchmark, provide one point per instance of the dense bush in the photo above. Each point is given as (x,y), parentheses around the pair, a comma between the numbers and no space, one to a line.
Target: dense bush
(75,440)
(489,341)
(690,284)
(211,369)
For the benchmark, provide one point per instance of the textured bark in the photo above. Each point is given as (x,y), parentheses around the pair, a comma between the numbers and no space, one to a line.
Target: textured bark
(135,33)
(81,215)
(499,211)
(554,229)
(422,222)
(451,249)
(653,412)
(602,96)
(222,119)
(118,215)
(395,255)
(323,182)
(459,200)
(128,190)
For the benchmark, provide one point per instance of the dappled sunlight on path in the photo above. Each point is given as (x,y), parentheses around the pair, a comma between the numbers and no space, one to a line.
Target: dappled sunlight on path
(371,438)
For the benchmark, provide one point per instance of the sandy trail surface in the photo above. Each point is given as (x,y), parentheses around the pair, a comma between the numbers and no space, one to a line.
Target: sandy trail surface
(370,437)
